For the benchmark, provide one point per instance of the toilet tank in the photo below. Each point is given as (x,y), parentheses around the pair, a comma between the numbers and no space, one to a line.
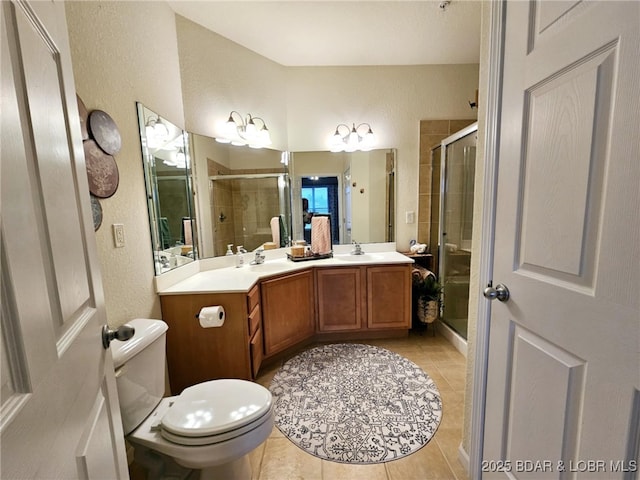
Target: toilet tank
(140,370)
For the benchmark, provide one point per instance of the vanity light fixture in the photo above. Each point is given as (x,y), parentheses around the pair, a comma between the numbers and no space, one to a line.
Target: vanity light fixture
(156,128)
(249,130)
(178,160)
(351,139)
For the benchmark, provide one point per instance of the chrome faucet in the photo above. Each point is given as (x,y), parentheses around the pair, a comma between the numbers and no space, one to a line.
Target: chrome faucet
(357,249)
(259,260)
(164,261)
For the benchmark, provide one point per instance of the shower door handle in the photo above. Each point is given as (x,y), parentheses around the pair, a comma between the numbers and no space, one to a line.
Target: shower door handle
(501,292)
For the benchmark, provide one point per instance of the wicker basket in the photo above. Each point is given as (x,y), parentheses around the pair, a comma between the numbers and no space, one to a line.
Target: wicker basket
(427,310)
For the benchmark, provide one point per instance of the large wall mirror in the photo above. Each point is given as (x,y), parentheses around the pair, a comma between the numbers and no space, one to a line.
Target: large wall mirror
(243,196)
(250,197)
(240,191)
(167,171)
(357,189)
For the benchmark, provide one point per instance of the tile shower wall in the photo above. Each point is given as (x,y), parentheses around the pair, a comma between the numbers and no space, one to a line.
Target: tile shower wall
(255,202)
(247,206)
(432,132)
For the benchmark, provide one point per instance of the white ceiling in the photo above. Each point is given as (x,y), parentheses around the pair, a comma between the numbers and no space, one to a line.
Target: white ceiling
(322,33)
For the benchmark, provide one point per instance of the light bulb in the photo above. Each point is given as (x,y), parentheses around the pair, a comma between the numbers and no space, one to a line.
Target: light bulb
(369,138)
(160,129)
(230,127)
(265,138)
(353,140)
(180,157)
(250,130)
(336,138)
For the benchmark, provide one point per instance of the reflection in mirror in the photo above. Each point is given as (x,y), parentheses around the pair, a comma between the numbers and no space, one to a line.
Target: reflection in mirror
(249,199)
(357,189)
(166,163)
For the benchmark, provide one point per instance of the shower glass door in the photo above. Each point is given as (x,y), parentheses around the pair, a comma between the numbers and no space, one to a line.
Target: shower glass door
(456,224)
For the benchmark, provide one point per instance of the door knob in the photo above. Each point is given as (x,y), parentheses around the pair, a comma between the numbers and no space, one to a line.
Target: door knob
(122,333)
(501,292)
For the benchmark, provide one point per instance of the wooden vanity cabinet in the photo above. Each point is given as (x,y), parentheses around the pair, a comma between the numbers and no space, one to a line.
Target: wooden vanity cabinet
(196,354)
(339,298)
(389,297)
(363,298)
(287,310)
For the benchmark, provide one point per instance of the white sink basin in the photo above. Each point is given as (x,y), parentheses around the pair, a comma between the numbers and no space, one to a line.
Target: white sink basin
(365,257)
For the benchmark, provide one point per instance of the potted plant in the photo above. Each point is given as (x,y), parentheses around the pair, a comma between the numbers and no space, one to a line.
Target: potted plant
(427,291)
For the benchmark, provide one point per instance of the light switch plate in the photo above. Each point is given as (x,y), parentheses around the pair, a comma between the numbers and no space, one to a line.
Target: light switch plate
(410,217)
(118,235)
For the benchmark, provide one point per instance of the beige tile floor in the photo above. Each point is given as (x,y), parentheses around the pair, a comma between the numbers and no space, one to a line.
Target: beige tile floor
(280,459)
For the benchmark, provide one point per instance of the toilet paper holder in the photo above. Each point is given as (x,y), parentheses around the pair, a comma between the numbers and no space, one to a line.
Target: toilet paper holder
(211,316)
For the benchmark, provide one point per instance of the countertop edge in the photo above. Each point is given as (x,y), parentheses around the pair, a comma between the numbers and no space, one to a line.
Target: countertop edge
(241,280)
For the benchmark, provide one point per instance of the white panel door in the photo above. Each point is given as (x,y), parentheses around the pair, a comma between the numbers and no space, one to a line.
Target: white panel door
(59,417)
(563,375)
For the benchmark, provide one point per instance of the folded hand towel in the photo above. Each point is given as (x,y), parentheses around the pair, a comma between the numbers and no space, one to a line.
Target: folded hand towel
(320,235)
(275,230)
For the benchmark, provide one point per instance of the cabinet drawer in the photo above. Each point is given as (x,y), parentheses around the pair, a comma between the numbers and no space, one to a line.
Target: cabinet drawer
(254,320)
(257,352)
(253,298)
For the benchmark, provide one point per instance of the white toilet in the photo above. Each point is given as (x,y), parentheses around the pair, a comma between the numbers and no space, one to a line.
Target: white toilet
(209,427)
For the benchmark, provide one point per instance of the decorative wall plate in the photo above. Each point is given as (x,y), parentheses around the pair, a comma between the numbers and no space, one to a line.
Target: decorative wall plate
(84,117)
(105,132)
(102,170)
(96,211)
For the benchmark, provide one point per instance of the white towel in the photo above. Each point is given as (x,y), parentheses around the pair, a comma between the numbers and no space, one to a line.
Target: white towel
(450,247)
(320,235)
(187,225)
(275,230)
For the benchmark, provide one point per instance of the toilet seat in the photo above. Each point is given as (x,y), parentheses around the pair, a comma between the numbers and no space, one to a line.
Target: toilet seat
(215,411)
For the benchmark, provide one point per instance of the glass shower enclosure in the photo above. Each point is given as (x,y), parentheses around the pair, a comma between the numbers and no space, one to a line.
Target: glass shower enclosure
(457,172)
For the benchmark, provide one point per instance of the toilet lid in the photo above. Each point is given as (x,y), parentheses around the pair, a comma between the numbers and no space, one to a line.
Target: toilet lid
(216,407)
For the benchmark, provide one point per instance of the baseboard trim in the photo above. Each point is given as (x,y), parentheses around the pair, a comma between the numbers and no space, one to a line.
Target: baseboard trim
(456,340)
(463,457)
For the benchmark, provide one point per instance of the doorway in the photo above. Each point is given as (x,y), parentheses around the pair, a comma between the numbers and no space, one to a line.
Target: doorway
(320,195)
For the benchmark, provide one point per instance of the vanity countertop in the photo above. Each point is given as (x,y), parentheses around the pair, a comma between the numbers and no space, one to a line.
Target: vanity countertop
(240,280)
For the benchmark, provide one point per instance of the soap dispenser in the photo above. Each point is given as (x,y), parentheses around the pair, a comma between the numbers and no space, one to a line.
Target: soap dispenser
(229,251)
(240,256)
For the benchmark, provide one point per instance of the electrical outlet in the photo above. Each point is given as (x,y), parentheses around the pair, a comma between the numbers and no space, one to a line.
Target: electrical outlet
(409,217)
(118,235)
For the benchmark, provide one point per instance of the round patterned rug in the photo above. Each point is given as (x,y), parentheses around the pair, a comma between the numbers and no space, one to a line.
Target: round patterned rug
(354,403)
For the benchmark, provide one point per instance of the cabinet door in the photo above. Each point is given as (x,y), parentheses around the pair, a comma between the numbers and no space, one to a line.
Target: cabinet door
(389,297)
(339,296)
(196,354)
(287,311)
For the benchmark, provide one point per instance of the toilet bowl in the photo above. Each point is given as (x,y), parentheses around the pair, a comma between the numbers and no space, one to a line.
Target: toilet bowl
(210,427)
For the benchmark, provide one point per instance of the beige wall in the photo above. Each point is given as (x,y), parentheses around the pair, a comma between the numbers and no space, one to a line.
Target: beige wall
(478,218)
(124,52)
(219,76)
